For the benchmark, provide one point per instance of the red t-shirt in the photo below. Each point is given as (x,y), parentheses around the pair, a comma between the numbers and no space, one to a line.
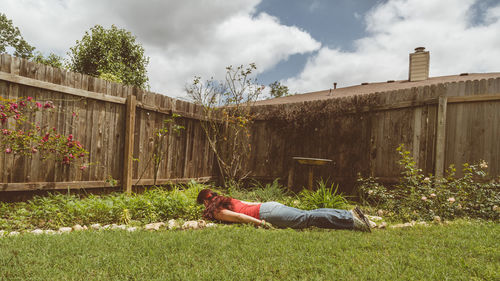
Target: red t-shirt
(250,210)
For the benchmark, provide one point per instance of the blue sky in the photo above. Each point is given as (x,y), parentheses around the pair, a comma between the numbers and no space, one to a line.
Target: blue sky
(305,44)
(333,23)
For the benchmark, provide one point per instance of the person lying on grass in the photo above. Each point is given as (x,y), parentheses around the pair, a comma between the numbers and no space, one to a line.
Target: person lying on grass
(228,209)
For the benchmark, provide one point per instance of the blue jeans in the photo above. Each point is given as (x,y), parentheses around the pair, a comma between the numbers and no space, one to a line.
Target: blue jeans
(283,216)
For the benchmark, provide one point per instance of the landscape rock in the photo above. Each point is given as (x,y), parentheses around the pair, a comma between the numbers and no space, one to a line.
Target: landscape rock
(131,229)
(173,224)
(2,232)
(380,212)
(14,233)
(96,226)
(194,224)
(77,227)
(401,225)
(65,229)
(211,224)
(382,225)
(106,226)
(37,231)
(437,219)
(121,226)
(49,231)
(374,218)
(154,226)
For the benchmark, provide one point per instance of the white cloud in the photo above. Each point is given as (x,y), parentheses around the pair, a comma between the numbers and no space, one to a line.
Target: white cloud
(239,40)
(446,28)
(182,38)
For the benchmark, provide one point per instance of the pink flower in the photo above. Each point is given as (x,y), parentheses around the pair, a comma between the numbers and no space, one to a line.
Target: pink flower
(433,195)
(17,116)
(46,137)
(5,132)
(424,198)
(81,154)
(65,160)
(48,104)
(13,106)
(39,105)
(70,137)
(83,167)
(74,114)
(29,98)
(8,150)
(451,199)
(34,150)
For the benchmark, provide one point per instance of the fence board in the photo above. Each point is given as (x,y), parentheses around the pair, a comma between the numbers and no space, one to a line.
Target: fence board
(359,134)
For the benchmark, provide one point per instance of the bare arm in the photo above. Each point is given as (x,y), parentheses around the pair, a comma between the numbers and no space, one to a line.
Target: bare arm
(230,216)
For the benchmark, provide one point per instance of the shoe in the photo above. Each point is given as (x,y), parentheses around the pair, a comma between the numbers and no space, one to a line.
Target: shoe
(358,214)
(358,223)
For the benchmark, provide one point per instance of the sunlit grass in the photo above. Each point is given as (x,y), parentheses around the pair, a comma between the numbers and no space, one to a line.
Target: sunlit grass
(460,251)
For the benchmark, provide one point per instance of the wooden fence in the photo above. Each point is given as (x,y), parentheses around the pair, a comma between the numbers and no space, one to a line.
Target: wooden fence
(440,125)
(115,123)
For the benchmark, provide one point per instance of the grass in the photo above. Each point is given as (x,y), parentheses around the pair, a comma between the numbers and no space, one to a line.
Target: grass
(459,251)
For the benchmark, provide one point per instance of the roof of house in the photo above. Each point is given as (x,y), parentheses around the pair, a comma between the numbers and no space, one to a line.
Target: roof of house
(376,87)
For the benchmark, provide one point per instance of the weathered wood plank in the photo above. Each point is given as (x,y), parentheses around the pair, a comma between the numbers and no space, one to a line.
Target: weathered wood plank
(441,137)
(28,186)
(17,79)
(129,144)
(4,92)
(10,163)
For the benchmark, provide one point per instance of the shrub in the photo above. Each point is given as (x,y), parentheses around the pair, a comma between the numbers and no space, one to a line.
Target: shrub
(20,136)
(417,197)
(259,192)
(322,197)
(56,210)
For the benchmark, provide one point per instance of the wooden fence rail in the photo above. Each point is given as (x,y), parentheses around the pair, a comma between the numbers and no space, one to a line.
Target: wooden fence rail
(115,123)
(441,124)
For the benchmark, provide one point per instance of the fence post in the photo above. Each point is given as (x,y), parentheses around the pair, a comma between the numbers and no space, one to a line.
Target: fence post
(440,137)
(129,143)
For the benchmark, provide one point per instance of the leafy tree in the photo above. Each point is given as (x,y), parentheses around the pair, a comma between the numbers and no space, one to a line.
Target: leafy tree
(278,90)
(112,54)
(10,36)
(51,60)
(227,105)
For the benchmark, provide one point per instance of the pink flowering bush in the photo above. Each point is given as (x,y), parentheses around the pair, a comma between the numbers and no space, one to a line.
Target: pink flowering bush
(19,136)
(417,197)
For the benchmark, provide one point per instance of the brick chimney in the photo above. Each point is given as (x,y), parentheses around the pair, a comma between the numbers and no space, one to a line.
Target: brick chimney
(419,65)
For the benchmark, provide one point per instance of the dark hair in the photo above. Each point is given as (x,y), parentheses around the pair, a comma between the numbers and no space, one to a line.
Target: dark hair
(216,203)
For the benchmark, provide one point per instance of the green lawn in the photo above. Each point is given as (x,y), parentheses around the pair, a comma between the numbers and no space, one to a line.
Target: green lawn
(459,251)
